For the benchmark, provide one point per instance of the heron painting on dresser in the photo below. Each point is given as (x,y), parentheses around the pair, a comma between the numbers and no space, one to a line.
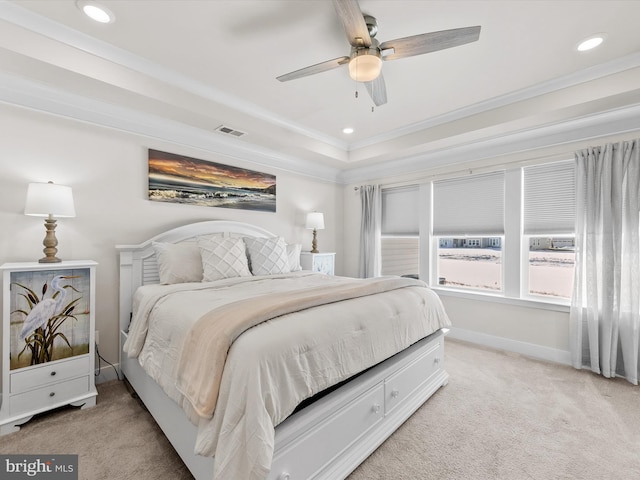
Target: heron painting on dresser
(49,315)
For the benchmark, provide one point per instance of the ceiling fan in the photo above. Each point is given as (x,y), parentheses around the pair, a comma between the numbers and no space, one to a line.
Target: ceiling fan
(367,54)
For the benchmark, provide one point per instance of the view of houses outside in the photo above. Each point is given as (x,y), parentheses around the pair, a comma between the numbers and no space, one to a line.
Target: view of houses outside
(477,263)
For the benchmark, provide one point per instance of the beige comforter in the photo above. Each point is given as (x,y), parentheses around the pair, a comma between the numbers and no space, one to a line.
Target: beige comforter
(277,363)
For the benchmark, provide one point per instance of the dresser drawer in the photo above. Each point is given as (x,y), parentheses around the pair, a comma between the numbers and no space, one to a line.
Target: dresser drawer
(401,384)
(305,456)
(49,396)
(34,377)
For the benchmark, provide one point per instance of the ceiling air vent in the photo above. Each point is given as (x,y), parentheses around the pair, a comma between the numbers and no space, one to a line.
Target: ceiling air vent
(230,131)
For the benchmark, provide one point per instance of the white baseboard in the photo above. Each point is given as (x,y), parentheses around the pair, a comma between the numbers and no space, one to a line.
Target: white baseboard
(528,349)
(107,373)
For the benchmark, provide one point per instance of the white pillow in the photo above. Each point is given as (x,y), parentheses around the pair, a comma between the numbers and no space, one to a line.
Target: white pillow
(267,256)
(178,262)
(293,253)
(223,258)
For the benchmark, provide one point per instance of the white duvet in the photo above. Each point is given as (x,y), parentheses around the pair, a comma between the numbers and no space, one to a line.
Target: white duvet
(275,365)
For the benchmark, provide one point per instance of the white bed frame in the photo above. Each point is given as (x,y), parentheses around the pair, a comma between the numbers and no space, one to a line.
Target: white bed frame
(326,440)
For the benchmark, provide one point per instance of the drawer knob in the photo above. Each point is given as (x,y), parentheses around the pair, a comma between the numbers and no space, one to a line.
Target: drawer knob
(376,408)
(52,394)
(53,374)
(395,393)
(436,360)
(284,476)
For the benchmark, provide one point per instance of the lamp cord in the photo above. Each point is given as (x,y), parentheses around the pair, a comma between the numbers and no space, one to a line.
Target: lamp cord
(101,358)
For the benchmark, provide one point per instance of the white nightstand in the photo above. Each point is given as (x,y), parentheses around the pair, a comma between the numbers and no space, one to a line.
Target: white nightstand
(47,360)
(318,262)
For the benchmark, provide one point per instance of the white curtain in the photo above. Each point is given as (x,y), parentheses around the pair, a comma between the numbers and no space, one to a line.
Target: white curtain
(605,309)
(370,231)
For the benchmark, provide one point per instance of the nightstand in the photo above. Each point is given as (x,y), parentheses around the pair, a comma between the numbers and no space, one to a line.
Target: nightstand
(318,262)
(48,337)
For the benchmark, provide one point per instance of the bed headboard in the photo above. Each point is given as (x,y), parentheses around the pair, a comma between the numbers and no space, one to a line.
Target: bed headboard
(138,265)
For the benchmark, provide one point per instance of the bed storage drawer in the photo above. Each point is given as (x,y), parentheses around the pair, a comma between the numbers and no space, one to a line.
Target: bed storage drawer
(306,455)
(402,384)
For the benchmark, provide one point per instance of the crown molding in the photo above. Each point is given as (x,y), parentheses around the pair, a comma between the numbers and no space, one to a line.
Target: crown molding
(19,91)
(590,128)
(23,92)
(588,74)
(41,25)
(61,33)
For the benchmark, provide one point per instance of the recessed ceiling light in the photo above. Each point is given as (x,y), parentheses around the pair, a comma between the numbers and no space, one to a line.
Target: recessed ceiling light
(96,12)
(591,42)
(347,130)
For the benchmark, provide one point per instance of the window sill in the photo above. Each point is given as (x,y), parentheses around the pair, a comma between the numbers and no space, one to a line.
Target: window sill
(558,306)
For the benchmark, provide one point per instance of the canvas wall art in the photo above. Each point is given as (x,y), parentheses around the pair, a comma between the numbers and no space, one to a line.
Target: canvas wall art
(179,179)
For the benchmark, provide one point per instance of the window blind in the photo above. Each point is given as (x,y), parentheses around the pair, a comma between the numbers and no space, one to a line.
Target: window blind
(471,206)
(400,211)
(550,198)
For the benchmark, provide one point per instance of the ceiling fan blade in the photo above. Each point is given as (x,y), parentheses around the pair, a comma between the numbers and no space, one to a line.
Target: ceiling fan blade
(353,21)
(377,90)
(428,42)
(313,69)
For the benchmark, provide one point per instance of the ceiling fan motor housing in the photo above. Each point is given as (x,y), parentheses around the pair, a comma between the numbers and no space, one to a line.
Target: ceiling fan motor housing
(372,25)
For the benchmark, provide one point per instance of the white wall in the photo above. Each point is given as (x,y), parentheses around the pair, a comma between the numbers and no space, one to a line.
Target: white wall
(108,172)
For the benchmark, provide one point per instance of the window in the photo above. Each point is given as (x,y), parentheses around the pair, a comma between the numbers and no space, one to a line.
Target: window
(400,231)
(549,201)
(509,232)
(468,220)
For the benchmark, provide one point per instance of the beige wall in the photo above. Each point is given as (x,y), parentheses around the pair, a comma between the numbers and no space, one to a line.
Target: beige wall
(108,172)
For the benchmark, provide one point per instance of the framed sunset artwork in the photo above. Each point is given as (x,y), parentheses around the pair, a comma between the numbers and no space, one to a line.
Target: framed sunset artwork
(179,179)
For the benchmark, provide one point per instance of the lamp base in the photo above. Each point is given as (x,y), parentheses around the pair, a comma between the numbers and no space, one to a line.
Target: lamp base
(49,260)
(50,242)
(314,243)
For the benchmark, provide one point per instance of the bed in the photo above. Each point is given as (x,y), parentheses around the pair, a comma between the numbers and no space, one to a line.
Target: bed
(326,388)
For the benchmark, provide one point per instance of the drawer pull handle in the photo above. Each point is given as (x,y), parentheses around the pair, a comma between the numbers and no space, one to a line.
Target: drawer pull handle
(284,476)
(436,360)
(376,408)
(395,393)
(53,374)
(52,394)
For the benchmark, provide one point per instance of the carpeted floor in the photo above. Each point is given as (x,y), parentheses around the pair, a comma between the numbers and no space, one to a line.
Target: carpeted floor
(502,416)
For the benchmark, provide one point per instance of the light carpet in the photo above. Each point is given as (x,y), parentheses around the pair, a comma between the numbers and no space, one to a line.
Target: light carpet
(502,416)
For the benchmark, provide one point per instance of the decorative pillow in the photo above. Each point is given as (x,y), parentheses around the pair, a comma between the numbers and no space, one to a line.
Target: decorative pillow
(178,262)
(293,254)
(267,256)
(223,258)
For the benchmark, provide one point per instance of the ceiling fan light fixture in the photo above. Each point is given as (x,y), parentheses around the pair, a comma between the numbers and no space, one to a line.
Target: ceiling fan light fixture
(365,65)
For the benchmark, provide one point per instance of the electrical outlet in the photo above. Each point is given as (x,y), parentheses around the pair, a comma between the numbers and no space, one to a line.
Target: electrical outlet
(97,337)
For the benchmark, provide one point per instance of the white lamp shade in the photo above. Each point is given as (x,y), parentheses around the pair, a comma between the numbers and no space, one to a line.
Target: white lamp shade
(44,199)
(315,220)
